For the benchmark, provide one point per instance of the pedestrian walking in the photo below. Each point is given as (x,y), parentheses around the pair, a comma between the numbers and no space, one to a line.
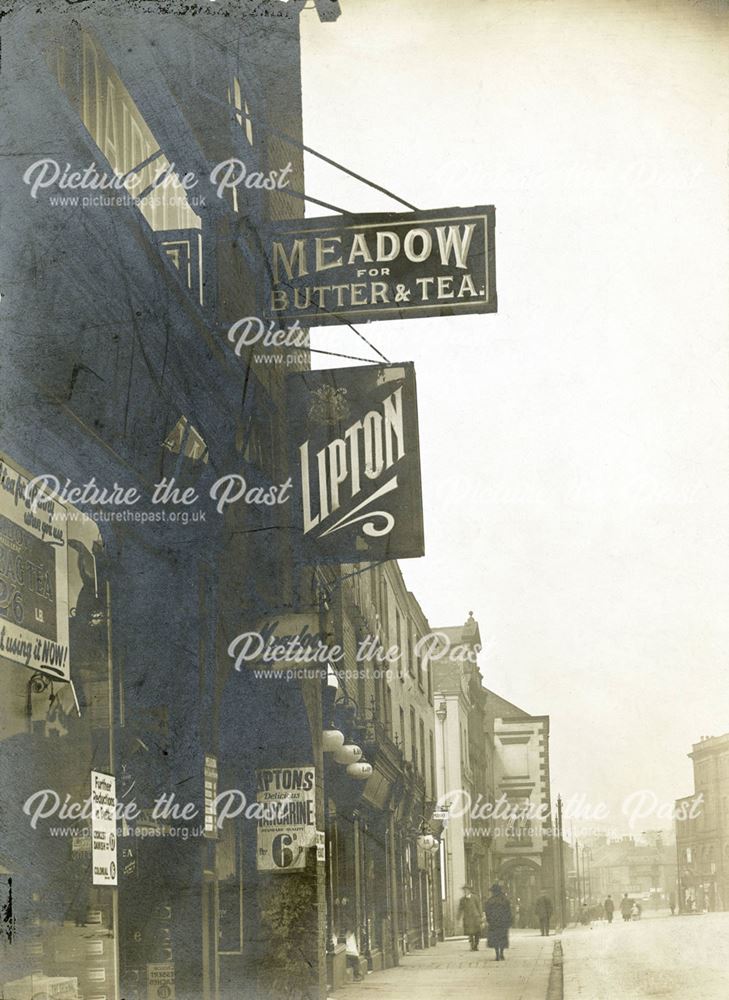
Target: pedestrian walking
(672,903)
(498,917)
(608,909)
(543,906)
(626,905)
(469,910)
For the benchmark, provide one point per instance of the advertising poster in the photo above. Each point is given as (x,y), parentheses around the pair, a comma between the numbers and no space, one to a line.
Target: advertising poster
(103,829)
(287,826)
(33,575)
(364,499)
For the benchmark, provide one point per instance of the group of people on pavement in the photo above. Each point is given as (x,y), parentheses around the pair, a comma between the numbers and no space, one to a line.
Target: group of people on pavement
(496,918)
(630,909)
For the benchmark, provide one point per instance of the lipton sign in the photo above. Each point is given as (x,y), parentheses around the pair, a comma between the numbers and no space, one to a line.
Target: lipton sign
(356,462)
(341,269)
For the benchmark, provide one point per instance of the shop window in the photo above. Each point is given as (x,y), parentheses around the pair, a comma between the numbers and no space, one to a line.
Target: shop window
(230,890)
(55,720)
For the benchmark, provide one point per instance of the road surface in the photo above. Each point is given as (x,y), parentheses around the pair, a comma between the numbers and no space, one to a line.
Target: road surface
(656,958)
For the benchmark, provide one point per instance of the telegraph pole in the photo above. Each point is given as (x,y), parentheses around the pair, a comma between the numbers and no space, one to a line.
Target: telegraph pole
(560,867)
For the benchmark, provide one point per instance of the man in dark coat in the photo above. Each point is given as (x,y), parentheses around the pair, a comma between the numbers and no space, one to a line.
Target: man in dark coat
(626,905)
(609,908)
(498,915)
(543,906)
(469,911)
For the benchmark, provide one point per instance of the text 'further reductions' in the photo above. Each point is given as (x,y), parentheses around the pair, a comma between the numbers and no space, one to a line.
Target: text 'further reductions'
(381,266)
(356,462)
(103,829)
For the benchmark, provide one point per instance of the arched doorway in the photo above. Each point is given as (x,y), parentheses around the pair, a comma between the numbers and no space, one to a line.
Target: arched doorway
(521,877)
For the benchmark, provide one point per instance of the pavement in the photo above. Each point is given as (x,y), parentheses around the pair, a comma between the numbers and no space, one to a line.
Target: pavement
(451,970)
(656,958)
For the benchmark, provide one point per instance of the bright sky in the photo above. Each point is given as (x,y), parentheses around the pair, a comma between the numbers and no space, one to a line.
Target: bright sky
(575,445)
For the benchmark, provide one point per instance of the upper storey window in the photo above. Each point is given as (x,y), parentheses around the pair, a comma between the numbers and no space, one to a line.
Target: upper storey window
(116,125)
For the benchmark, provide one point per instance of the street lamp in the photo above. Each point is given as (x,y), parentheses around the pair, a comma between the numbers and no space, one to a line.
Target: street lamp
(361,770)
(349,753)
(332,740)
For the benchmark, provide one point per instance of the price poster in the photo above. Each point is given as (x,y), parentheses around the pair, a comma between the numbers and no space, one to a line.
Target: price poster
(103,829)
(287,822)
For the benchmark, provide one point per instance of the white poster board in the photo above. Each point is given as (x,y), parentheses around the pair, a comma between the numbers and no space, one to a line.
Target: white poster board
(287,825)
(103,829)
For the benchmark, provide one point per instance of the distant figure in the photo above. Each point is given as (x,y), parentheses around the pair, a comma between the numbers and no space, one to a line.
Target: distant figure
(498,915)
(635,912)
(608,909)
(584,914)
(470,912)
(672,903)
(543,906)
(626,905)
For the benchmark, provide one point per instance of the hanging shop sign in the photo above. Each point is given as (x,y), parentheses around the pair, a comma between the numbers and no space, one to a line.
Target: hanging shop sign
(356,462)
(103,828)
(393,265)
(33,576)
(283,642)
(287,821)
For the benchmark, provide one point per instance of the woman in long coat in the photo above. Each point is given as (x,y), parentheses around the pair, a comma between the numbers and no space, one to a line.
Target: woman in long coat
(498,916)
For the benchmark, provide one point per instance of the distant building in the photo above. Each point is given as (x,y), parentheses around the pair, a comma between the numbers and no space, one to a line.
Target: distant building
(702,830)
(463,767)
(647,871)
(493,779)
(522,843)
